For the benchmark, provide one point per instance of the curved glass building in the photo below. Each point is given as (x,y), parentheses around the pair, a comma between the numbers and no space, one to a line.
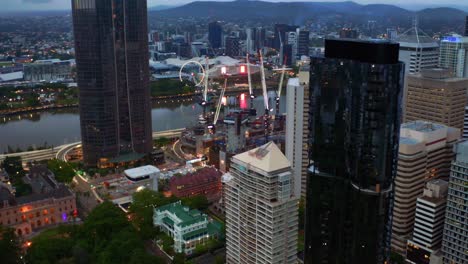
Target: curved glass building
(355,94)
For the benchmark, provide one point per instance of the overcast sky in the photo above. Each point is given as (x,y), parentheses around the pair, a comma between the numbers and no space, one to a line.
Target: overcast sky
(18,5)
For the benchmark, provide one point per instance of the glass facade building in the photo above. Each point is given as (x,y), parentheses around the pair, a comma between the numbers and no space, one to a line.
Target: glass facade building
(354,120)
(111,45)
(215,34)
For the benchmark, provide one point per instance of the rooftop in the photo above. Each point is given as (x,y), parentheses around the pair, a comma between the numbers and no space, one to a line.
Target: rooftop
(184,213)
(267,158)
(293,82)
(416,36)
(141,171)
(408,141)
(199,177)
(61,192)
(422,126)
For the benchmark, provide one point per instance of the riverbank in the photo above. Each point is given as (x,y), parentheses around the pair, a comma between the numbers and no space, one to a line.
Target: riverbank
(28,110)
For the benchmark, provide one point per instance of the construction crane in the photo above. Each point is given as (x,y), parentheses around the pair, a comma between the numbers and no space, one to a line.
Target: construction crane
(280,87)
(204,102)
(212,127)
(266,116)
(252,95)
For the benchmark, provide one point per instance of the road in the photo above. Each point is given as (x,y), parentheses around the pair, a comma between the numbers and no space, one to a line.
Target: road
(60,152)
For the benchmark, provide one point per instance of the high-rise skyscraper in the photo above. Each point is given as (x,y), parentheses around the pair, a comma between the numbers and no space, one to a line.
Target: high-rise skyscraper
(261,209)
(292,40)
(250,40)
(424,246)
(215,34)
(302,42)
(111,44)
(454,243)
(454,55)
(418,50)
(232,46)
(349,33)
(466,27)
(297,113)
(425,153)
(280,34)
(434,95)
(354,121)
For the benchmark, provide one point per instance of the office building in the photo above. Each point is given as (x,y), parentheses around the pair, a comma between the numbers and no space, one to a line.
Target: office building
(113,75)
(434,95)
(281,31)
(454,55)
(260,38)
(206,182)
(392,34)
(418,50)
(250,40)
(466,27)
(286,55)
(297,116)
(355,95)
(261,209)
(215,34)
(302,42)
(236,124)
(293,42)
(188,227)
(48,70)
(425,154)
(465,124)
(50,204)
(455,238)
(349,33)
(232,46)
(423,247)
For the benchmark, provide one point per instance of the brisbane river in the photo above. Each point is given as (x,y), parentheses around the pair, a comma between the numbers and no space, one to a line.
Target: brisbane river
(62,126)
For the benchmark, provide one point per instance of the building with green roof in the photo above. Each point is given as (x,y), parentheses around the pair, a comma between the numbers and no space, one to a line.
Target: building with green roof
(188,227)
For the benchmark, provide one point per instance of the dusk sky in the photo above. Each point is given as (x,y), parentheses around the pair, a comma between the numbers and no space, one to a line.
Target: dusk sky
(18,5)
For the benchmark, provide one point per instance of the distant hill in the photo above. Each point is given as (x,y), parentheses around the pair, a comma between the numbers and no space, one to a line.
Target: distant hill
(435,19)
(161,7)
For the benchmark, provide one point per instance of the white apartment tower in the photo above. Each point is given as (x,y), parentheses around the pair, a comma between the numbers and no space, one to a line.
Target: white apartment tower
(455,239)
(297,113)
(454,55)
(425,153)
(428,224)
(261,209)
(418,50)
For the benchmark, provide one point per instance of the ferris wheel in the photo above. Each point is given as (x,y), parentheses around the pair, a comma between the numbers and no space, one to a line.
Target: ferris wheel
(193,71)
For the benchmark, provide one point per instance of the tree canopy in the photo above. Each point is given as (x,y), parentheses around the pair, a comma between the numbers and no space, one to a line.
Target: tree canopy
(106,237)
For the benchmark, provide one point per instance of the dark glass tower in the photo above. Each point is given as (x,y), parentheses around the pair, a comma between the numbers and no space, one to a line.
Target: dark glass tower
(355,94)
(111,45)
(466,27)
(215,34)
(303,43)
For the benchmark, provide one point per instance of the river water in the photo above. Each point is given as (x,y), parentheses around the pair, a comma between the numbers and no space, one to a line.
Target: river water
(62,126)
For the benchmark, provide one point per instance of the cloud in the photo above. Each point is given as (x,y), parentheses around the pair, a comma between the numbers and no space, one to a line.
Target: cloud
(37,1)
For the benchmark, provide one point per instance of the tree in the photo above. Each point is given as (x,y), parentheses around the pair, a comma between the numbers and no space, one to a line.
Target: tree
(179,258)
(63,171)
(199,202)
(219,260)
(13,166)
(9,246)
(142,210)
(32,101)
(396,258)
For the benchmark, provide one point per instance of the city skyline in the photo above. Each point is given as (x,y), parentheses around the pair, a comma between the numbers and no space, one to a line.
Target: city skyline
(49,5)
